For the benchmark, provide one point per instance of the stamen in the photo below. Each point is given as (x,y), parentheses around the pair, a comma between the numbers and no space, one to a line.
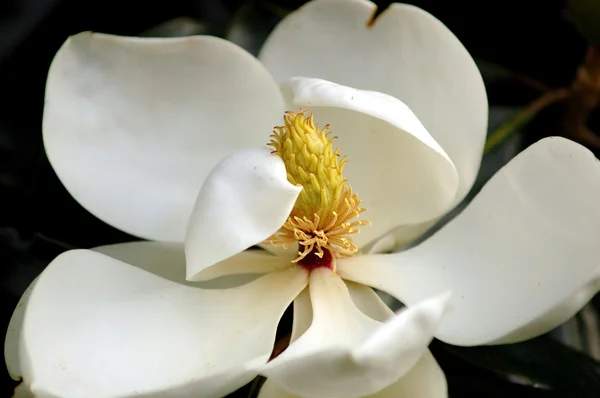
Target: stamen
(326,209)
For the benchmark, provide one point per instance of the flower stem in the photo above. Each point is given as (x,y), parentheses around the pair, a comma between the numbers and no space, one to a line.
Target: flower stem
(585,93)
(523,117)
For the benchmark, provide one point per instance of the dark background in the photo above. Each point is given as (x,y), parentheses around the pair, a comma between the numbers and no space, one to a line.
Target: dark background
(39,219)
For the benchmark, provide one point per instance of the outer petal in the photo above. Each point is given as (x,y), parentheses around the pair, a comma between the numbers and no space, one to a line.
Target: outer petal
(425,380)
(244,200)
(163,259)
(13,336)
(522,258)
(111,329)
(166,260)
(132,126)
(347,354)
(406,53)
(398,170)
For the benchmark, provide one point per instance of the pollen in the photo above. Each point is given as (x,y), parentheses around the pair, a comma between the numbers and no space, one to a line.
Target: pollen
(326,212)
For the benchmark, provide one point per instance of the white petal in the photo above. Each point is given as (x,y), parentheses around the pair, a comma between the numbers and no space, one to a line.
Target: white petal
(271,390)
(366,300)
(397,169)
(164,259)
(132,126)
(167,260)
(399,238)
(242,265)
(425,380)
(111,329)
(557,315)
(406,53)
(345,353)
(12,340)
(302,315)
(244,200)
(522,258)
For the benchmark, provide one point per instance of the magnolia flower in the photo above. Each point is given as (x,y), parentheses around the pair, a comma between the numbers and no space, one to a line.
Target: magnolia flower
(167,139)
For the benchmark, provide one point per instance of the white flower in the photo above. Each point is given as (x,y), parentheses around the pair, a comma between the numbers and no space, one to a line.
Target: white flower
(134,128)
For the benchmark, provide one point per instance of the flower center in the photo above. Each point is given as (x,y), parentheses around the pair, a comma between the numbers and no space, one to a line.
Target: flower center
(326,211)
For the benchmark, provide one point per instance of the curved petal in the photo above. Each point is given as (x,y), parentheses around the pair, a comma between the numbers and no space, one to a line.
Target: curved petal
(425,380)
(167,260)
(132,126)
(302,315)
(522,258)
(405,52)
(367,301)
(12,340)
(244,265)
(269,389)
(556,315)
(400,238)
(163,259)
(398,170)
(348,354)
(244,200)
(111,329)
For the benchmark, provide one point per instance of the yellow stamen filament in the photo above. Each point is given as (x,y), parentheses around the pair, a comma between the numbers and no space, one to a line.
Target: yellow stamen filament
(326,210)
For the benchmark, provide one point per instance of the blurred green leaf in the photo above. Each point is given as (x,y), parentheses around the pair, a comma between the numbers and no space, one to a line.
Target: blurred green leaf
(585,14)
(177,27)
(493,72)
(523,117)
(252,23)
(539,364)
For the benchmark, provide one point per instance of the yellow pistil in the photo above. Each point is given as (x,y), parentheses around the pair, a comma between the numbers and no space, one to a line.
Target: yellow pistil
(326,210)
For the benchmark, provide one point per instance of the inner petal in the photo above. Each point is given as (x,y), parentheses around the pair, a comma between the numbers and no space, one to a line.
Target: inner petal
(400,172)
(406,53)
(245,198)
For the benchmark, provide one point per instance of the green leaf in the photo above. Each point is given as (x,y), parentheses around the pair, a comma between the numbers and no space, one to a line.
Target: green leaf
(586,17)
(541,365)
(252,23)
